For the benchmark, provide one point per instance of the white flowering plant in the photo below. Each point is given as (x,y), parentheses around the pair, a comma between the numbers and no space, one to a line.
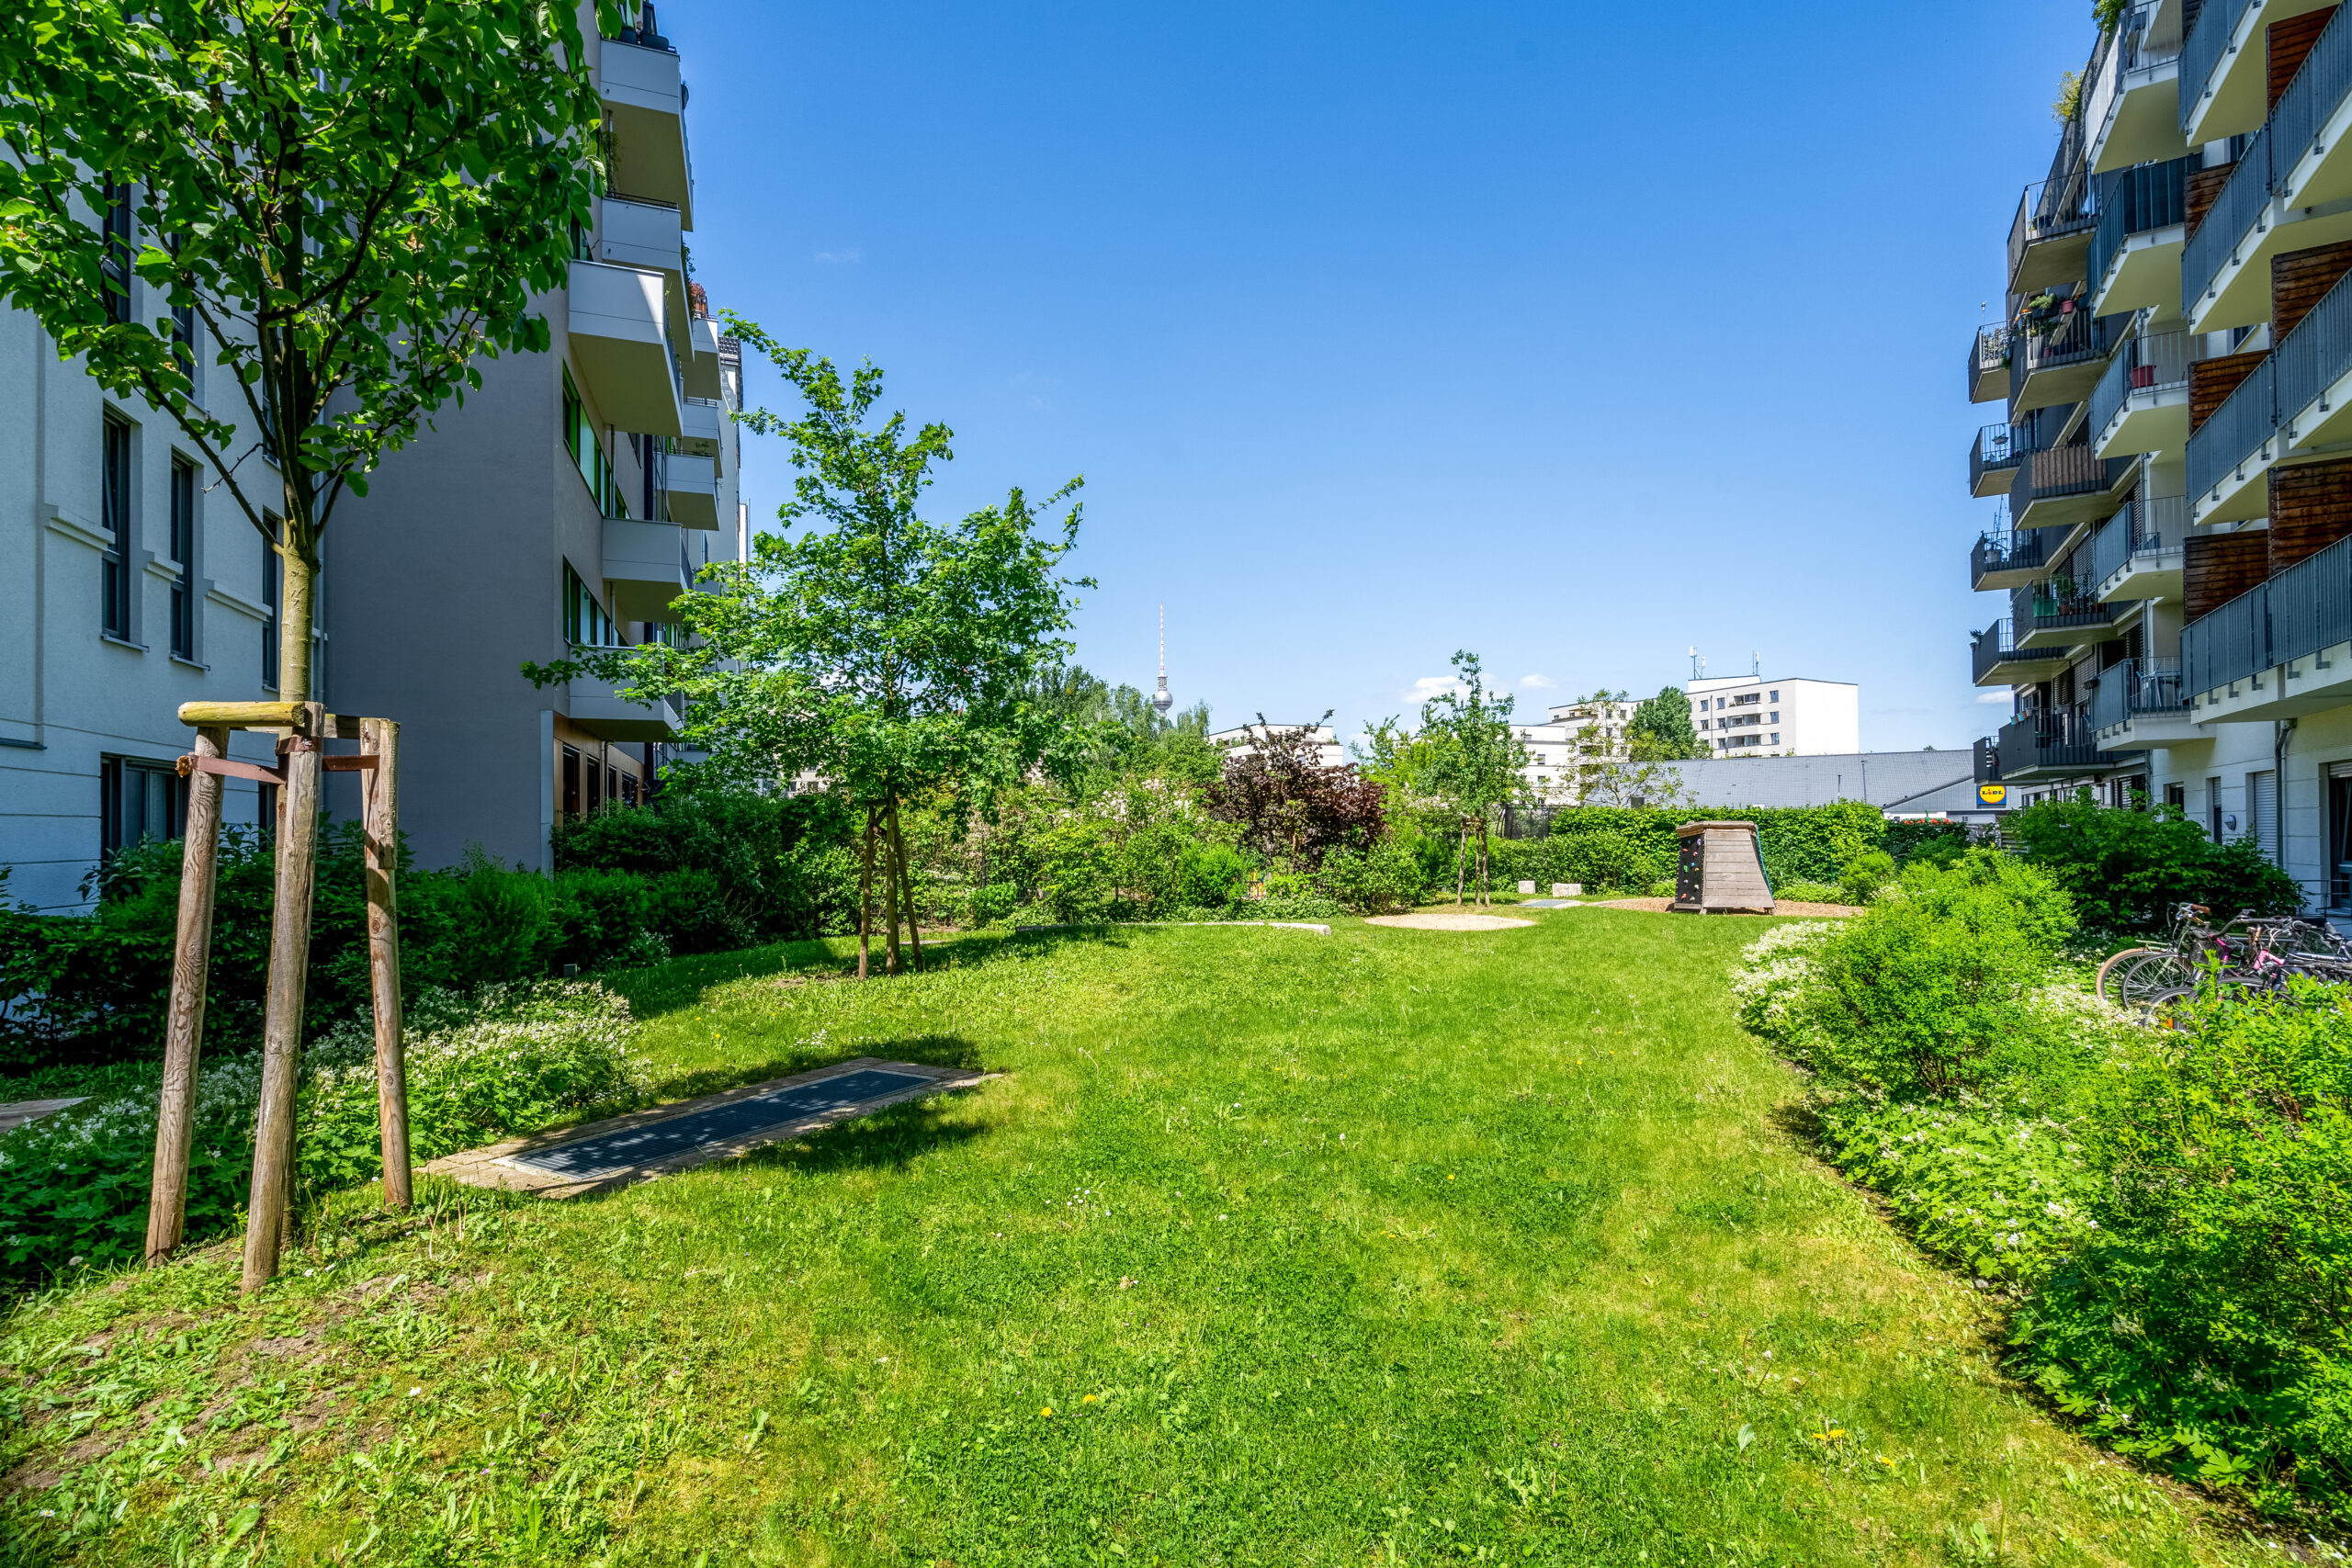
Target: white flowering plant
(509,1059)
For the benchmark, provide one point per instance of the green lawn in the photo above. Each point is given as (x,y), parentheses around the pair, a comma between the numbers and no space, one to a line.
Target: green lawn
(1266,1249)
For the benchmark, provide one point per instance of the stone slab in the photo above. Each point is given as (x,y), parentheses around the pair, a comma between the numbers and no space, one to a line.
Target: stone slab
(16,1112)
(1550,904)
(621,1150)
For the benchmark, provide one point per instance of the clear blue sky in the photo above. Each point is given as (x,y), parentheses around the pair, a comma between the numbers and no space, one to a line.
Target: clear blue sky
(1574,335)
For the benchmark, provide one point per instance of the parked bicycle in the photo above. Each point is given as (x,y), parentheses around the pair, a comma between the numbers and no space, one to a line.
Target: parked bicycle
(2254,953)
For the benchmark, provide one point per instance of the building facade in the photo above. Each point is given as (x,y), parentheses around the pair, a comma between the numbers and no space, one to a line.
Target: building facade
(1749,715)
(1581,735)
(565,504)
(2176,546)
(1243,740)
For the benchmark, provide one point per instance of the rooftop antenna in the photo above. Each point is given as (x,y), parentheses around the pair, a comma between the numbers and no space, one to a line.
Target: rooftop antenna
(1756,665)
(1697,663)
(1160,699)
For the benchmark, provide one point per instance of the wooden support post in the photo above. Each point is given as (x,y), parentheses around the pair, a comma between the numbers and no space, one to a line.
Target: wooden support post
(381,784)
(289,960)
(906,883)
(183,1036)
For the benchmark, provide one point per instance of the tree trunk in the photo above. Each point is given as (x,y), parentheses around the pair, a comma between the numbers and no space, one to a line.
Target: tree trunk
(1485,898)
(906,883)
(379,791)
(892,876)
(1461,862)
(184,1038)
(289,960)
(865,894)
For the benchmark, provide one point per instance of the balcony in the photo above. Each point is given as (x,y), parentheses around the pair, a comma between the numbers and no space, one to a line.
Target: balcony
(2137,553)
(2295,407)
(2133,107)
(2134,261)
(2005,558)
(693,490)
(706,419)
(2281,650)
(1997,661)
(2056,355)
(2310,119)
(646,568)
(702,360)
(2062,616)
(2224,86)
(1994,458)
(2139,704)
(1988,365)
(2141,404)
(620,346)
(646,235)
(2051,235)
(2049,745)
(2063,486)
(646,102)
(598,707)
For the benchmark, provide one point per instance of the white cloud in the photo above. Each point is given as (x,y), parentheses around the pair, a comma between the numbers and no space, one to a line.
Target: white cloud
(1992,696)
(838,257)
(1537,683)
(1429,686)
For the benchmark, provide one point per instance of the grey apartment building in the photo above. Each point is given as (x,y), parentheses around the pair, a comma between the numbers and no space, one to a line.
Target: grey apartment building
(2174,467)
(566,504)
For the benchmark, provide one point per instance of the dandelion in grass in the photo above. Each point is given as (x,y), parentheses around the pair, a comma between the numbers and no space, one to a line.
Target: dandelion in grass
(1047,1411)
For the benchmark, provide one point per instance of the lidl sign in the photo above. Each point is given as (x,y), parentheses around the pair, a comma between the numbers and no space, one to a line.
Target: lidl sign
(1992,795)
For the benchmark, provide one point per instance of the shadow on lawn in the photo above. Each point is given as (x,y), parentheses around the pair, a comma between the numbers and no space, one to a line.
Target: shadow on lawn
(931,1050)
(887,1140)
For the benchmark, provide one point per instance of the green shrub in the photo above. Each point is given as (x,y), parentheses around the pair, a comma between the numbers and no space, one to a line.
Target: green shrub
(1864,875)
(1933,992)
(993,904)
(1810,893)
(75,1186)
(592,915)
(1372,882)
(2204,1326)
(687,907)
(2126,870)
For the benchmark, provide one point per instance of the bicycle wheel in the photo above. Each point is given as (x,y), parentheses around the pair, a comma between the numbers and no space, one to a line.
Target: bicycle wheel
(2136,973)
(2162,1008)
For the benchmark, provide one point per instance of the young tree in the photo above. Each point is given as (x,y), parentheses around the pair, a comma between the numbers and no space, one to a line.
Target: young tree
(896,658)
(1661,731)
(1477,763)
(1293,809)
(342,205)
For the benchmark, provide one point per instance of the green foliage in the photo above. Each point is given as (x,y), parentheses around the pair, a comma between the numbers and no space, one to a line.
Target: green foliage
(1373,881)
(1619,847)
(1810,893)
(2126,870)
(73,1187)
(1864,874)
(1662,730)
(2202,1327)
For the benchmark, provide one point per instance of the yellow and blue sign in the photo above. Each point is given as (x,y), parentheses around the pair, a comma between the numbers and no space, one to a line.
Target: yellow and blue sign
(1992,795)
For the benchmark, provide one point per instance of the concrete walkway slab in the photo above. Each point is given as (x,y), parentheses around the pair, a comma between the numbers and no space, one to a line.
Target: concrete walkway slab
(599,1157)
(16,1112)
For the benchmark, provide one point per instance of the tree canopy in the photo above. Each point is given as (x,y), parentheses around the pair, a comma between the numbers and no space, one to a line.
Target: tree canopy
(1661,731)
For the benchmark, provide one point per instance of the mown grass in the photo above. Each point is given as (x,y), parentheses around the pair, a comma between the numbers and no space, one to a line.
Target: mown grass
(1390,1247)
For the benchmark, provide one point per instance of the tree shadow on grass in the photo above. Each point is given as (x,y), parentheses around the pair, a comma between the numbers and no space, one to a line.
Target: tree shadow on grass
(929,1050)
(890,1139)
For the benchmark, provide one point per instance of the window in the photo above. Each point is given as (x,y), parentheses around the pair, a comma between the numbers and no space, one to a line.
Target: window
(2176,796)
(183,557)
(139,801)
(273,581)
(1776,696)
(114,506)
(2213,808)
(588,452)
(265,816)
(1776,715)
(115,263)
(1776,734)
(2262,813)
(571,781)
(585,625)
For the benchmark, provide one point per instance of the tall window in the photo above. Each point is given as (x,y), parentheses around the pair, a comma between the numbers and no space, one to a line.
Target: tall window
(117,262)
(184,558)
(139,801)
(114,506)
(588,452)
(273,577)
(585,625)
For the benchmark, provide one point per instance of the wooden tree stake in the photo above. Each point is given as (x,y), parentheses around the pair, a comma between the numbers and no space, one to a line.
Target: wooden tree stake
(191,968)
(865,894)
(906,883)
(289,960)
(381,787)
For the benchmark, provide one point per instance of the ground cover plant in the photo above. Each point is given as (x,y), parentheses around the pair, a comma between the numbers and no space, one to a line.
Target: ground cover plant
(1389,1246)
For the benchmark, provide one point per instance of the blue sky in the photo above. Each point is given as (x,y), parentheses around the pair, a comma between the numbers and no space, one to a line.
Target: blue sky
(1572,335)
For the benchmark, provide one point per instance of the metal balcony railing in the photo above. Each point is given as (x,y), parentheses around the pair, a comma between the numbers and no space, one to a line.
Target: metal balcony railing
(2149,361)
(2145,528)
(2134,687)
(2003,550)
(2136,46)
(2216,237)
(2065,607)
(2075,336)
(1998,449)
(2057,739)
(2303,609)
(2235,430)
(2064,203)
(2311,100)
(1996,645)
(2316,353)
(2061,470)
(2201,52)
(1987,352)
(2136,201)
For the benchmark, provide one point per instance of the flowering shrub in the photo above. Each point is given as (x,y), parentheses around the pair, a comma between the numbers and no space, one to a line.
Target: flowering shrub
(512,1059)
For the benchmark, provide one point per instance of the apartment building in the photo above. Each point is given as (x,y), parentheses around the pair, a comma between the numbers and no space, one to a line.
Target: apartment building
(1747,715)
(565,505)
(1243,740)
(1579,734)
(2176,364)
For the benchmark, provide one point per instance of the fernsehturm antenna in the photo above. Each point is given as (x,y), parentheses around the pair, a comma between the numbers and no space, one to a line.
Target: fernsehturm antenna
(1160,699)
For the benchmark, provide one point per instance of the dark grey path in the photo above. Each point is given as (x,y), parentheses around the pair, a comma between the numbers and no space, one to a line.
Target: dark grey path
(613,1154)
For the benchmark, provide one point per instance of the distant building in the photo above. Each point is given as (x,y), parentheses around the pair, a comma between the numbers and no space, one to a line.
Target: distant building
(1242,741)
(1750,716)
(1579,734)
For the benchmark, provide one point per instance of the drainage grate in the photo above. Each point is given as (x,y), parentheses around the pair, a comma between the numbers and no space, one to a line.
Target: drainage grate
(592,1159)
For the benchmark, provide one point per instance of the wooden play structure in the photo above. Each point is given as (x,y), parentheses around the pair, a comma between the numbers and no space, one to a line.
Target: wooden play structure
(1721,870)
(303,730)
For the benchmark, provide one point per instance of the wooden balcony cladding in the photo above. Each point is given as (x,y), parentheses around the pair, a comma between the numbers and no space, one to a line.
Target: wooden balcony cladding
(2199,190)
(2217,567)
(2300,279)
(2311,508)
(2288,42)
(2212,381)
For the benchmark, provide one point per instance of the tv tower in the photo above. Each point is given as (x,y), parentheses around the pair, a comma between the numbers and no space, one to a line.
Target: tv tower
(1160,699)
